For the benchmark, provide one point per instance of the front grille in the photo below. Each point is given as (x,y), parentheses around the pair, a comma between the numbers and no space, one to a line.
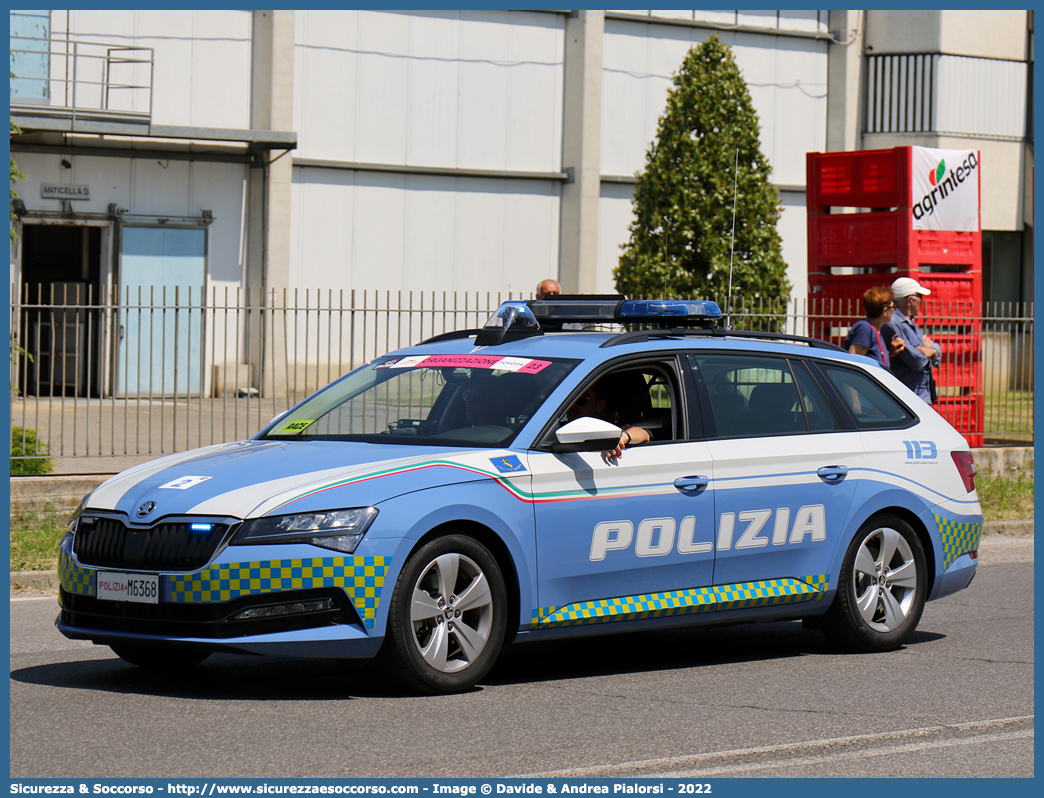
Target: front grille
(166,547)
(208,621)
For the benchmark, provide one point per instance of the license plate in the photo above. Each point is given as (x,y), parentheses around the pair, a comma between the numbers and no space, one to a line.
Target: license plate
(142,588)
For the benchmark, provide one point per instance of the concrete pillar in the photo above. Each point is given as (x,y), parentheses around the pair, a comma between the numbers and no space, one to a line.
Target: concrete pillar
(845,87)
(581,151)
(268,260)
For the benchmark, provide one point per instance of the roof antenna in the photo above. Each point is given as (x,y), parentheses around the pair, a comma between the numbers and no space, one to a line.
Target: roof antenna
(732,254)
(666,266)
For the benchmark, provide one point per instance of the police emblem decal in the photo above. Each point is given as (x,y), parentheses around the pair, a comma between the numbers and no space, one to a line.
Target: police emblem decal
(507,465)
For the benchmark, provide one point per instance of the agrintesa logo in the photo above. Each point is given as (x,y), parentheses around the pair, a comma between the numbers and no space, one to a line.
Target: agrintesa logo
(944,184)
(937,173)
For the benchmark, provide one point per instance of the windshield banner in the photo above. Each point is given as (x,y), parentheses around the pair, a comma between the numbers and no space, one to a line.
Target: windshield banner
(493,362)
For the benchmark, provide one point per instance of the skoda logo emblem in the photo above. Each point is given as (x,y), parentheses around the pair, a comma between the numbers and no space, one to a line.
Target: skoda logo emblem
(145,509)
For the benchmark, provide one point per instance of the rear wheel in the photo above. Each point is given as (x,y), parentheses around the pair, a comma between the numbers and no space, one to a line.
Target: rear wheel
(882,588)
(447,617)
(159,658)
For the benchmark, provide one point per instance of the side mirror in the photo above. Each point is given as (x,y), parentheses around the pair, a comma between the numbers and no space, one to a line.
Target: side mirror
(587,435)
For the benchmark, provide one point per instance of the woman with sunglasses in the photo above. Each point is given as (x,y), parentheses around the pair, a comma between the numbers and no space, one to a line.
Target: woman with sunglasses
(864,337)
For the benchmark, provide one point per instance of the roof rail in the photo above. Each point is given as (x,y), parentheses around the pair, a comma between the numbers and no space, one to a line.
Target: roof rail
(450,336)
(637,336)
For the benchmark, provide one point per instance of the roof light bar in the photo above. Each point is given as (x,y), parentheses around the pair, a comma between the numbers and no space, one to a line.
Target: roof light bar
(614,308)
(521,319)
(672,310)
(511,320)
(591,308)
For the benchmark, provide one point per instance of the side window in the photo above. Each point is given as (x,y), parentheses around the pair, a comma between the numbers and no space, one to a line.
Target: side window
(640,396)
(818,412)
(871,405)
(752,395)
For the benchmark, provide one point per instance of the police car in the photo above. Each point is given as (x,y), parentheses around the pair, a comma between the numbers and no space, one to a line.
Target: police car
(523,482)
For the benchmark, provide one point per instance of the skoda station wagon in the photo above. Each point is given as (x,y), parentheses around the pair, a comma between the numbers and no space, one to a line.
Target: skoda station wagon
(525,482)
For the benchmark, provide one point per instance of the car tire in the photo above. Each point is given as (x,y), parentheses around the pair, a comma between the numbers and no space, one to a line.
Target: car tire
(159,658)
(447,617)
(882,587)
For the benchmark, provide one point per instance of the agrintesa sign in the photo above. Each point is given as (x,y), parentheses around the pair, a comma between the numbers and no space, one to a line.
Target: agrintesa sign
(945,189)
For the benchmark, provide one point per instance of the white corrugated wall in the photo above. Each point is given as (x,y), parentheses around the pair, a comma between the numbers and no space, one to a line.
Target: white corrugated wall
(478,90)
(980,97)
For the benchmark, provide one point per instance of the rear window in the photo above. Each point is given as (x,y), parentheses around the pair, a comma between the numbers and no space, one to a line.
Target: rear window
(872,407)
(759,395)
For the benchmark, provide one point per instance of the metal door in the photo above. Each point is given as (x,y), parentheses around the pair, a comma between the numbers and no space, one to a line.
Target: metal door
(160,318)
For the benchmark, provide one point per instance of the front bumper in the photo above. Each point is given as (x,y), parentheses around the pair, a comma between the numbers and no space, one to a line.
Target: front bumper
(199,608)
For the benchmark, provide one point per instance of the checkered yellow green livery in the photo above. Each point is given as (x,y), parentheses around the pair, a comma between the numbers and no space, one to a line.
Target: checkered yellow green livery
(957,538)
(681,602)
(360,577)
(73,578)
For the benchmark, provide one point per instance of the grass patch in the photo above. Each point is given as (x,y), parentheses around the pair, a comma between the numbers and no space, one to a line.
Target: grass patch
(35,535)
(1007,498)
(24,442)
(1009,415)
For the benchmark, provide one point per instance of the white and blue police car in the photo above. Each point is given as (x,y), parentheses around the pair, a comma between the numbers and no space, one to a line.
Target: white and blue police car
(478,488)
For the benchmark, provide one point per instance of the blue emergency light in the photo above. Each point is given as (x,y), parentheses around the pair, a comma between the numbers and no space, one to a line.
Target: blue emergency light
(521,319)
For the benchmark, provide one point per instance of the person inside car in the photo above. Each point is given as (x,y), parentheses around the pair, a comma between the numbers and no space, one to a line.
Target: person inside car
(591,403)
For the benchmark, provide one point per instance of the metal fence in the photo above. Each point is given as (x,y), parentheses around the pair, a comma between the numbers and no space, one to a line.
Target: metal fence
(142,372)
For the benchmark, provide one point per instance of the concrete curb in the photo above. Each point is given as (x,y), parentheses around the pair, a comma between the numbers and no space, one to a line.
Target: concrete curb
(57,490)
(34,581)
(1009,528)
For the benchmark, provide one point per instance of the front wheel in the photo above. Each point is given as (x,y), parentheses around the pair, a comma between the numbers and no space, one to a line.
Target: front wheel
(447,616)
(882,587)
(159,658)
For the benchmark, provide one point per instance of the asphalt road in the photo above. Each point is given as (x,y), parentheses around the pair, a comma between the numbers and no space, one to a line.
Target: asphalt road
(769,700)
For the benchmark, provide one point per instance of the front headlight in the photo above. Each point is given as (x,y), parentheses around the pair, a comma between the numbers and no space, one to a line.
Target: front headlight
(75,517)
(340,530)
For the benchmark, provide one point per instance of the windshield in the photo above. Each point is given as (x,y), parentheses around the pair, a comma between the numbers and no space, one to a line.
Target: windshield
(433,400)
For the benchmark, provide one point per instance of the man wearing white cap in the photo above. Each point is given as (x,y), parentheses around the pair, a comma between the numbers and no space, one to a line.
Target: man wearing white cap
(913,366)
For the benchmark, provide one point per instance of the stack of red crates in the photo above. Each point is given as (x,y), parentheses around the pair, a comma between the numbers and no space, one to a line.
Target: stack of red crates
(861,235)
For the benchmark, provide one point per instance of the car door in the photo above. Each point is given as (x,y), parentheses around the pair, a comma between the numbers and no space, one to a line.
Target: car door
(784,469)
(630,537)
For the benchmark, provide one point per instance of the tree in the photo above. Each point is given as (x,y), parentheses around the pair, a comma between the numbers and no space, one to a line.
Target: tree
(16,350)
(681,236)
(15,177)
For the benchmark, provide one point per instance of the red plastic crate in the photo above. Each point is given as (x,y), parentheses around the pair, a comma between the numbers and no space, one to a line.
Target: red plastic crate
(966,414)
(948,247)
(958,374)
(877,239)
(881,245)
(844,290)
(862,179)
(886,239)
(954,297)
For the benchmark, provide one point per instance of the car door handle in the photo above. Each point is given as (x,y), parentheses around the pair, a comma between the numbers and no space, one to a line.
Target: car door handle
(833,474)
(691,484)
